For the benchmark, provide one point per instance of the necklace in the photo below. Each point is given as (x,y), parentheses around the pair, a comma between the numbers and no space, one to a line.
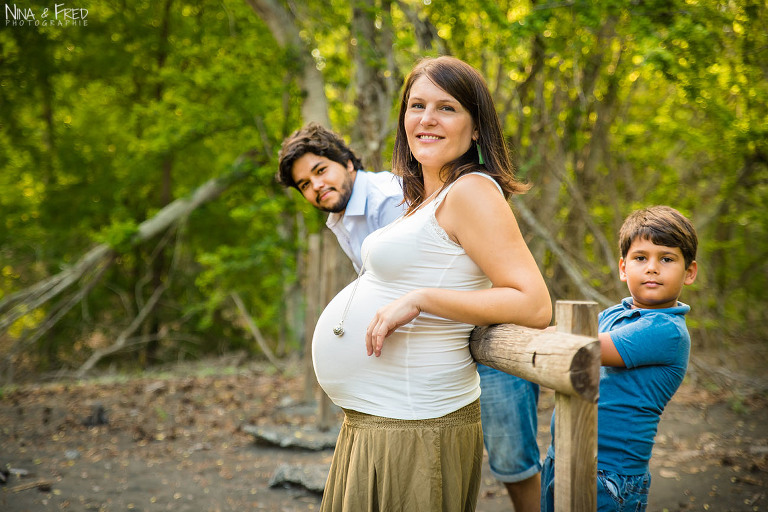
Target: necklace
(339,329)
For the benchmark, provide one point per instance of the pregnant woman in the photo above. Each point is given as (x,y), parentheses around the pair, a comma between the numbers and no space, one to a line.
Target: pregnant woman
(392,348)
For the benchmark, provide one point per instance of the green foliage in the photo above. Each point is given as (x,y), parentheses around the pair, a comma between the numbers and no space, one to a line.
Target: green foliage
(117,118)
(630,105)
(119,235)
(608,106)
(737,404)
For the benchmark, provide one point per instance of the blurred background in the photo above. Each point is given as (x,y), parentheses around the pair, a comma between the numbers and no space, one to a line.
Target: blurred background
(140,221)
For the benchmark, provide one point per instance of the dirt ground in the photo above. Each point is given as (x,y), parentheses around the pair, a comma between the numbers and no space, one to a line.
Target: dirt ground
(175,440)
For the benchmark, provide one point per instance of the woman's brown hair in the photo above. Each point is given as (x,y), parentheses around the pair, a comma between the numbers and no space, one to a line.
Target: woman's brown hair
(467,85)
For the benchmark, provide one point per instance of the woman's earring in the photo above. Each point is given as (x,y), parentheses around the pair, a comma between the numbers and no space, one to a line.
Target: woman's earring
(479,154)
(413,163)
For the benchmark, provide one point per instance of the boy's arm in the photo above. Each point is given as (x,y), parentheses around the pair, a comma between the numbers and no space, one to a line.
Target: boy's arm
(609,356)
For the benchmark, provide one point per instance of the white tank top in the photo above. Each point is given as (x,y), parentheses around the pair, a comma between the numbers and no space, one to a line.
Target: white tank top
(425,369)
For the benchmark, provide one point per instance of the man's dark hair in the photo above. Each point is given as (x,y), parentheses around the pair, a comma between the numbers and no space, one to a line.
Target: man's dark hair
(661,225)
(317,140)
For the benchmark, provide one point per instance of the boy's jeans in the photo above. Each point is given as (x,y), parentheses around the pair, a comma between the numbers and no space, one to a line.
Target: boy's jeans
(615,493)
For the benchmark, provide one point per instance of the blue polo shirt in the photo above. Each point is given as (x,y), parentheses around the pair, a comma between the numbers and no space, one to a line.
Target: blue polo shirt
(655,346)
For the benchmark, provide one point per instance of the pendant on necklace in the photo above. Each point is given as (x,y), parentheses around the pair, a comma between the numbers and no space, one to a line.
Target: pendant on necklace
(339,329)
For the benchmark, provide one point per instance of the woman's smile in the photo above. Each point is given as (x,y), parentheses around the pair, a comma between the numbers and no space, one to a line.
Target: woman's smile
(438,127)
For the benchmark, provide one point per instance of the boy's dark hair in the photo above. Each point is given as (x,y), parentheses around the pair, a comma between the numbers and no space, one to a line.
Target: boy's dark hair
(317,140)
(661,225)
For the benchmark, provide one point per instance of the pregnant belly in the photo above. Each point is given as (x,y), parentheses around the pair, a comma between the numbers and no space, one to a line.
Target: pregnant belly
(425,368)
(341,362)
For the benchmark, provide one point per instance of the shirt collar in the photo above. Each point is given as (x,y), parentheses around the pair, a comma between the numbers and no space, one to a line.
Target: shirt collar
(358,199)
(680,308)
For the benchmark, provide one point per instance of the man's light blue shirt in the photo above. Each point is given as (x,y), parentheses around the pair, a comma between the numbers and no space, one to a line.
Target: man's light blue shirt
(374,203)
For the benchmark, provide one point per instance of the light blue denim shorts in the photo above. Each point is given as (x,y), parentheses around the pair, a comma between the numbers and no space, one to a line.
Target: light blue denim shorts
(615,493)
(508,411)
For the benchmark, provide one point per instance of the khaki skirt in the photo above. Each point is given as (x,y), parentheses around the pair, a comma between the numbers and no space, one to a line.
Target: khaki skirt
(387,465)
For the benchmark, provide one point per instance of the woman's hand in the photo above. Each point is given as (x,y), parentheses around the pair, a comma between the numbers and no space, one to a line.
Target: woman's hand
(388,319)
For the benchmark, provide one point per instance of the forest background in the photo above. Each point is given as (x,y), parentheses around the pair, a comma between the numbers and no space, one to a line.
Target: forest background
(140,221)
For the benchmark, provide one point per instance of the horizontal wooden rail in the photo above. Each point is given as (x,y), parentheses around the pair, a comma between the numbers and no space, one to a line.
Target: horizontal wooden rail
(567,363)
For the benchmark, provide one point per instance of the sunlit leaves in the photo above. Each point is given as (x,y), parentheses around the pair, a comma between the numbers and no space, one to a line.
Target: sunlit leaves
(623,104)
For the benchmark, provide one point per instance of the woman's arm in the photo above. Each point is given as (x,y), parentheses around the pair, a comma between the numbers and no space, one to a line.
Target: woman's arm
(476,216)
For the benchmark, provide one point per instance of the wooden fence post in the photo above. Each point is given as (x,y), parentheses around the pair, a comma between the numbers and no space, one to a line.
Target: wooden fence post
(328,271)
(311,312)
(575,424)
(329,286)
(567,361)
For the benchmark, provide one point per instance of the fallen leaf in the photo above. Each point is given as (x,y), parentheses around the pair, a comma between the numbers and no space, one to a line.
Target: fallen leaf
(668,473)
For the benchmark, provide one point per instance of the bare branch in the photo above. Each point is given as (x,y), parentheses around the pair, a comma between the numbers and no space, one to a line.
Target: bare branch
(254,329)
(25,301)
(122,339)
(581,205)
(570,267)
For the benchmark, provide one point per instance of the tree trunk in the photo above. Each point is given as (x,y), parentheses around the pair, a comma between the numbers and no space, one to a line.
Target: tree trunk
(375,77)
(282,24)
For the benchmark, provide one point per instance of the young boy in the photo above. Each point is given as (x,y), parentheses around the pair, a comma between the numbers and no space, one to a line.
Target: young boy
(644,347)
